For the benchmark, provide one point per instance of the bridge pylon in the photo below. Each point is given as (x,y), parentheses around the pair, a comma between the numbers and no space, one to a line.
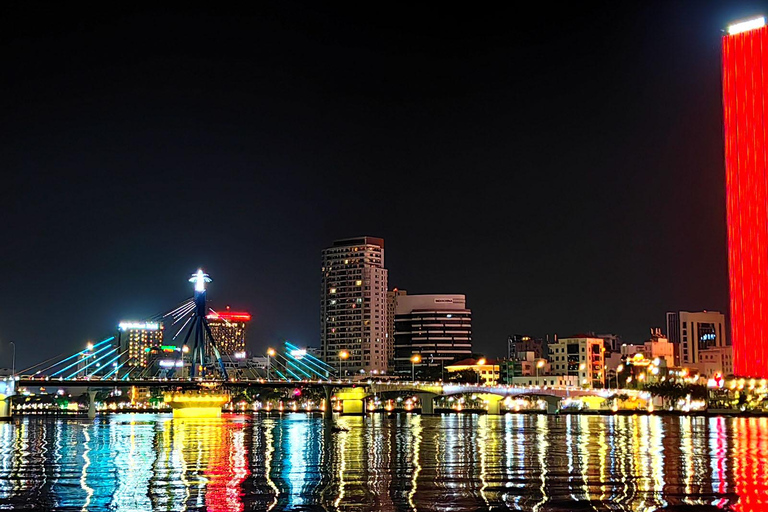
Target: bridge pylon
(203,339)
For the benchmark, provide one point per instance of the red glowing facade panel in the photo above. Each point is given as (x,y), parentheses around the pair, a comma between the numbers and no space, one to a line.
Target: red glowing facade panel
(231,316)
(745,105)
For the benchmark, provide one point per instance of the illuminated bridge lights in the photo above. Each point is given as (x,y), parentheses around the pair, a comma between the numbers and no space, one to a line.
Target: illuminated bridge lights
(745,116)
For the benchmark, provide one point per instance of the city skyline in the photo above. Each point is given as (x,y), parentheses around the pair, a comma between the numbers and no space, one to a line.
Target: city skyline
(554,203)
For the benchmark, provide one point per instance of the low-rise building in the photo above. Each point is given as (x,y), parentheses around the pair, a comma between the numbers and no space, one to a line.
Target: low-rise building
(694,331)
(522,364)
(611,342)
(518,343)
(658,347)
(715,361)
(581,356)
(485,370)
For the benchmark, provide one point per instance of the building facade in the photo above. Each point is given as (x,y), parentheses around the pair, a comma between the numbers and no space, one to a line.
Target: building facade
(353,306)
(136,339)
(522,364)
(611,342)
(437,328)
(228,330)
(392,298)
(580,356)
(520,343)
(745,110)
(659,347)
(486,371)
(716,361)
(691,332)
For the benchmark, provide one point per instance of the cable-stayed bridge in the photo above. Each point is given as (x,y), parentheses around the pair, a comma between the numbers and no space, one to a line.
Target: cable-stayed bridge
(200,365)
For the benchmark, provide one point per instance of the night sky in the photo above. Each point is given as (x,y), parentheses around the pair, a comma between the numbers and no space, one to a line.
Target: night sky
(562,168)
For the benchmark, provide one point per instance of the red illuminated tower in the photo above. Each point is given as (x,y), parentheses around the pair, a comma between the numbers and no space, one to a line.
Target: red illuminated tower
(745,105)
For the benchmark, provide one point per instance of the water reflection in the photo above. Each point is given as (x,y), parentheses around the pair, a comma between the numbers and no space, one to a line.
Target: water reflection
(453,462)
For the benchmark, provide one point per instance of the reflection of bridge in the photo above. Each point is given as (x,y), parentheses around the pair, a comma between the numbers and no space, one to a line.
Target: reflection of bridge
(351,394)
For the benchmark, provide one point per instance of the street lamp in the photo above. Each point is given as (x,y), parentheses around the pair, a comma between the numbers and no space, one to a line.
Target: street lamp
(415,358)
(270,354)
(184,350)
(539,364)
(343,355)
(13,367)
(619,369)
(480,362)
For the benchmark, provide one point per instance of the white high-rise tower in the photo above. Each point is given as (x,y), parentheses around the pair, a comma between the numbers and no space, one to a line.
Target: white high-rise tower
(353,306)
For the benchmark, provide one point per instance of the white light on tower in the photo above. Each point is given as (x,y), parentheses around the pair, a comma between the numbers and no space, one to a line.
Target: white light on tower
(200,278)
(745,26)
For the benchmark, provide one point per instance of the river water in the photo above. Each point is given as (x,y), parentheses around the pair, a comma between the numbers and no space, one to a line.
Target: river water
(141,462)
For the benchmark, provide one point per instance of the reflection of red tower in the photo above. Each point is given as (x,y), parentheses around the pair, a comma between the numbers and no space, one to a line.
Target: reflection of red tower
(750,442)
(745,104)
(227,468)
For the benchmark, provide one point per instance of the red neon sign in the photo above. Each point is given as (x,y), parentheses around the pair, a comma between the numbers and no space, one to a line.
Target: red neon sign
(745,110)
(231,316)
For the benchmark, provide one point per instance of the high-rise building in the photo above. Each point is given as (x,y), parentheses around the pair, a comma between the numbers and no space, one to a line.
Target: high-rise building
(436,327)
(392,297)
(692,332)
(353,306)
(745,116)
(228,330)
(582,356)
(137,338)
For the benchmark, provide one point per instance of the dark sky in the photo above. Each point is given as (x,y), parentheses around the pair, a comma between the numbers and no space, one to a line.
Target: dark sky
(562,168)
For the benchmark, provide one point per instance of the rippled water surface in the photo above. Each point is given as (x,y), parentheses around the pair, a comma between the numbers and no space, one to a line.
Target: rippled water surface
(449,463)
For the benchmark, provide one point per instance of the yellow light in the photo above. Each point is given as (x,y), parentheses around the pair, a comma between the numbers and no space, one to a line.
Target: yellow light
(541,363)
(416,358)
(271,352)
(343,354)
(481,361)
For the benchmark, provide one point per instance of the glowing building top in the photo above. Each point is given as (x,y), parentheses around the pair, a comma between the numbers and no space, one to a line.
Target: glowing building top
(746,26)
(200,278)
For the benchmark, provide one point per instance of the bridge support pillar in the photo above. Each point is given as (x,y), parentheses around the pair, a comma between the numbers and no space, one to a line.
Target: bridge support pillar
(494,404)
(91,404)
(5,408)
(553,404)
(352,400)
(427,403)
(352,406)
(328,411)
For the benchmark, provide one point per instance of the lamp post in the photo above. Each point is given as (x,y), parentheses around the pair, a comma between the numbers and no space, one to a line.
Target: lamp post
(415,358)
(480,362)
(184,350)
(343,355)
(539,364)
(13,367)
(619,369)
(270,354)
